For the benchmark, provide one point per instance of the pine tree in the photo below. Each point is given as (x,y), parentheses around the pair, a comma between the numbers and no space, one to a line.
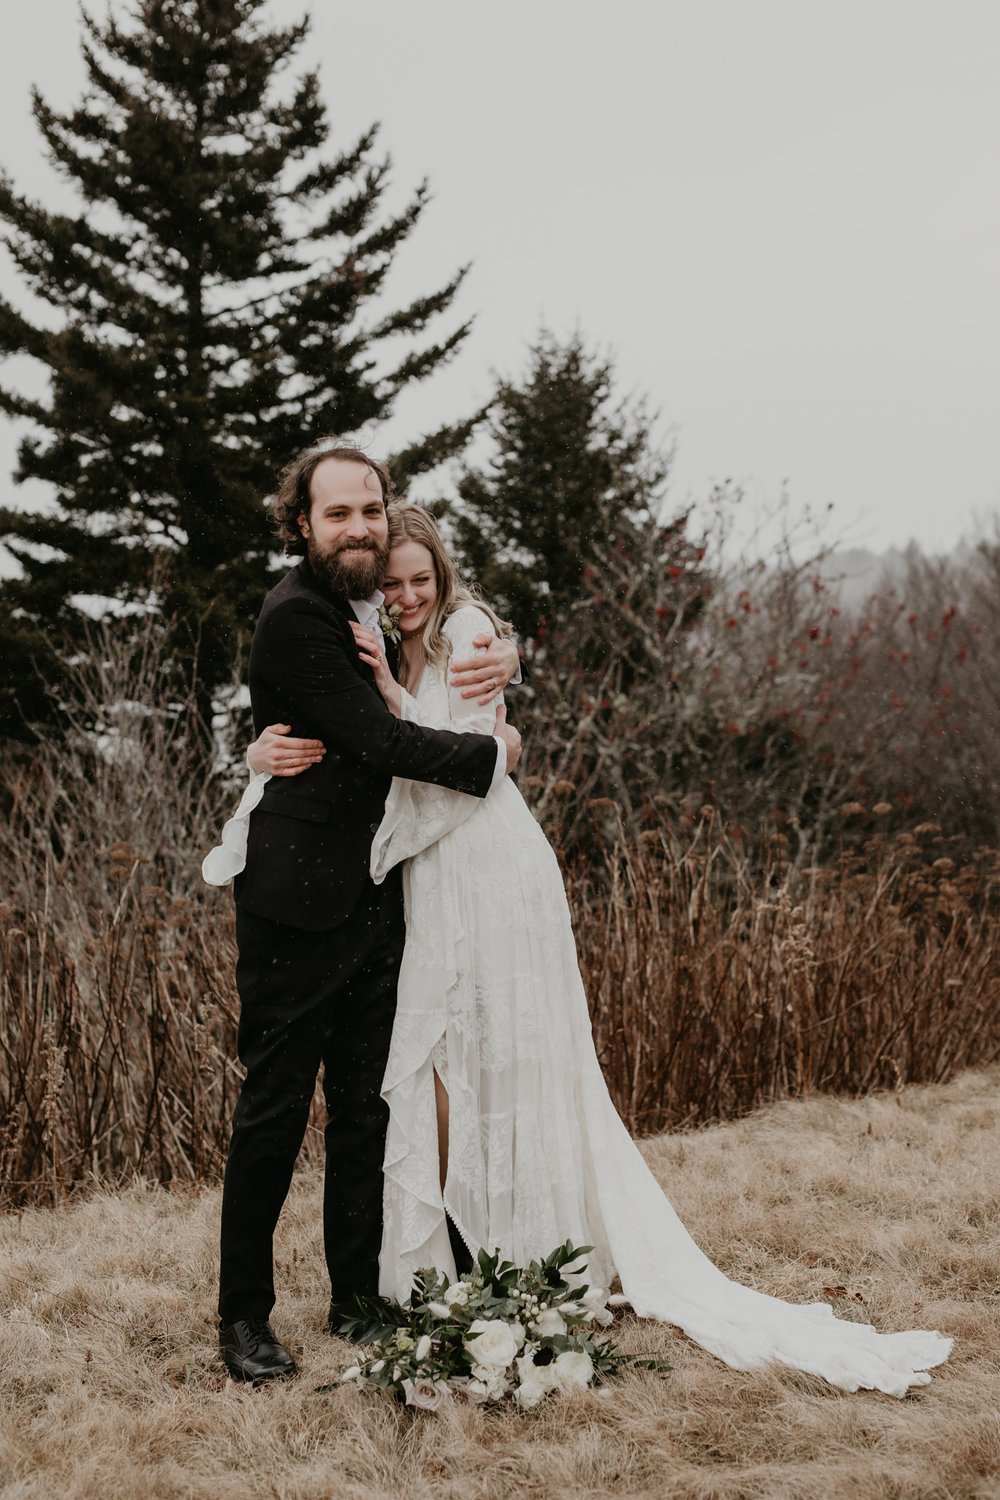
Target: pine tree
(574,472)
(564,528)
(217,307)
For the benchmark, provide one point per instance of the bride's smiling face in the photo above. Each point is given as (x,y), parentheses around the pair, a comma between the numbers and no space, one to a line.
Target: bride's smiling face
(410,582)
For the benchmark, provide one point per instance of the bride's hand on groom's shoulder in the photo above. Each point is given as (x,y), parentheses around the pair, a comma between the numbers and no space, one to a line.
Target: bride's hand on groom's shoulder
(276,751)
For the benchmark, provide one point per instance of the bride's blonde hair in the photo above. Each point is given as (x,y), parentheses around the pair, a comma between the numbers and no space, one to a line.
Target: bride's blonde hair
(411,523)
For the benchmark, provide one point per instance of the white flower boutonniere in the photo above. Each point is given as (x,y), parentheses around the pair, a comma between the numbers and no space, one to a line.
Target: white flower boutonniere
(388,619)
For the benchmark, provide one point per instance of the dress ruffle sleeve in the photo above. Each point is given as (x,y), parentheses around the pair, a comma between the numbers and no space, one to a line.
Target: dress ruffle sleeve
(229,857)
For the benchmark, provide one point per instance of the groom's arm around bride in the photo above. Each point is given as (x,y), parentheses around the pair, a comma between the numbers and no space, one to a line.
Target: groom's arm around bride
(305,671)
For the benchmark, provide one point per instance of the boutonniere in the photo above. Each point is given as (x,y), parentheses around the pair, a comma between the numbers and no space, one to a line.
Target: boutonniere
(388,620)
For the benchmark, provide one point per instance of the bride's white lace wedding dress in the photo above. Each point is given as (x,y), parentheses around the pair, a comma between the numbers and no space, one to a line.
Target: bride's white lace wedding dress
(490,997)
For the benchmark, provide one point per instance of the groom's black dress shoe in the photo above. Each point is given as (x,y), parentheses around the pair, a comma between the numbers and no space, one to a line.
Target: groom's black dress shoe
(250,1351)
(338,1312)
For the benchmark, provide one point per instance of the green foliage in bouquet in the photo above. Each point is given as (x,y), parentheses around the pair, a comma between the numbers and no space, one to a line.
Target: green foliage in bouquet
(500,1331)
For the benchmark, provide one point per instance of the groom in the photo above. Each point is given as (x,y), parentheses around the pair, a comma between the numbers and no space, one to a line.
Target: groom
(319,944)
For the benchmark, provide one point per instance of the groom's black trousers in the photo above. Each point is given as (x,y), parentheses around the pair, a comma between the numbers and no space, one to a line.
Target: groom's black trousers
(310,998)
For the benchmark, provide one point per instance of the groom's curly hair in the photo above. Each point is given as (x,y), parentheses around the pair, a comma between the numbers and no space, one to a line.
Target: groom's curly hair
(292,498)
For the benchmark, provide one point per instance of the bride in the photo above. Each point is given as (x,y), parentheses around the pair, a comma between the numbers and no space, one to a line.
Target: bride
(499,1117)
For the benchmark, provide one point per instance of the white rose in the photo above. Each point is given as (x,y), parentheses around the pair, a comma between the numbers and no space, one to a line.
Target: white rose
(438,1310)
(572,1370)
(529,1393)
(477,1391)
(423,1348)
(542,1376)
(457,1295)
(491,1341)
(549,1323)
(427,1394)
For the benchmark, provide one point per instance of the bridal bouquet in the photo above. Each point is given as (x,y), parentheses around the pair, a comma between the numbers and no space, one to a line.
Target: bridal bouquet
(500,1331)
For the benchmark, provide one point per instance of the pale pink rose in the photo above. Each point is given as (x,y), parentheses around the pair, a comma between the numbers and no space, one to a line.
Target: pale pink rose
(426,1394)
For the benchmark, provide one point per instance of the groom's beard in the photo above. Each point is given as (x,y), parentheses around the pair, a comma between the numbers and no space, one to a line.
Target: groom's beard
(353,570)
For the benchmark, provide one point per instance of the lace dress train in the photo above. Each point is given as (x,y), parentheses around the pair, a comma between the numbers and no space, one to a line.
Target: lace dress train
(490,998)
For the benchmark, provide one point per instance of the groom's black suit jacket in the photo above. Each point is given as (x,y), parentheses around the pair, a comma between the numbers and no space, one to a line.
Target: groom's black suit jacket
(310,837)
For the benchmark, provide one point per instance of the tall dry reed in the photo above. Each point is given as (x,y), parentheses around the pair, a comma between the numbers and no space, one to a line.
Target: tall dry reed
(716,982)
(117,1009)
(719,976)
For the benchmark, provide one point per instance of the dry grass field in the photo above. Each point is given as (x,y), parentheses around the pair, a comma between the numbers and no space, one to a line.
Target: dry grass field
(110,1388)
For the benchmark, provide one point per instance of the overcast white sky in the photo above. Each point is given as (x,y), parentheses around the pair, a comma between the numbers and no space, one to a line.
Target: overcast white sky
(782,217)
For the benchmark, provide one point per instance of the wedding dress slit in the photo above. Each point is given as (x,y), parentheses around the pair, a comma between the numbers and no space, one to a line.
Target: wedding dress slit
(441,1108)
(490,997)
